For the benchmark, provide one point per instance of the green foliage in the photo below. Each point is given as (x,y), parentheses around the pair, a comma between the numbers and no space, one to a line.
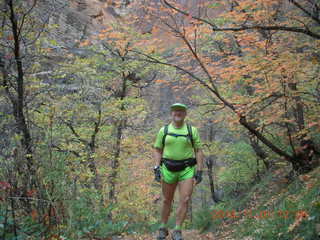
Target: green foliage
(220,21)
(87,219)
(214,5)
(292,212)
(241,165)
(202,220)
(285,214)
(25,225)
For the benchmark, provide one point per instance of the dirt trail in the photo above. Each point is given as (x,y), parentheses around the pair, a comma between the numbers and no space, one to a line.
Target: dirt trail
(187,235)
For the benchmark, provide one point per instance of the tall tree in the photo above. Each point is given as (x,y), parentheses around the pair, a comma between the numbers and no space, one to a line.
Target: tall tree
(251,46)
(20,30)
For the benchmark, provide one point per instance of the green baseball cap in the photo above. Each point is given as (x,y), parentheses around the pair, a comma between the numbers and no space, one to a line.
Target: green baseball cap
(178,106)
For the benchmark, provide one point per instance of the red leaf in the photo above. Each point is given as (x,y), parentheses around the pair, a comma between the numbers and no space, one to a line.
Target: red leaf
(4,185)
(31,192)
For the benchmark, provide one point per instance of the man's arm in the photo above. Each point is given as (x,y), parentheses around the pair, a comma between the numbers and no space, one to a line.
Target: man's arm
(200,159)
(157,155)
(198,149)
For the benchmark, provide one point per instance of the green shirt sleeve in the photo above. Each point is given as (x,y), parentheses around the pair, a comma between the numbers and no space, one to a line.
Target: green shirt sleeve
(196,138)
(158,142)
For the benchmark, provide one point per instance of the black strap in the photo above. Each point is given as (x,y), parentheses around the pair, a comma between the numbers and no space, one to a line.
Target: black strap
(165,134)
(189,135)
(188,161)
(178,135)
(178,165)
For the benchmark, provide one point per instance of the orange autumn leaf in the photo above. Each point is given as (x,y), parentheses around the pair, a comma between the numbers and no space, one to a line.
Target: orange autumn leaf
(34,214)
(85,43)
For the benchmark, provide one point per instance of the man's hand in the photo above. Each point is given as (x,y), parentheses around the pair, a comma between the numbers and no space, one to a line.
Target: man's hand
(157,173)
(198,176)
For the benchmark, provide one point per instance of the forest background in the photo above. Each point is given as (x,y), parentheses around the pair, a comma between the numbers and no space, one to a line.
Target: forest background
(86,85)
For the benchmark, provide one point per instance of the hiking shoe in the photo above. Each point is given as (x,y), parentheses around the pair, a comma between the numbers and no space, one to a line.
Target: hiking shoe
(176,235)
(163,233)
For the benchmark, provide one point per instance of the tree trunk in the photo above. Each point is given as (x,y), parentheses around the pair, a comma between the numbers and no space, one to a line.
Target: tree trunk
(260,153)
(91,158)
(115,164)
(209,164)
(17,101)
(117,148)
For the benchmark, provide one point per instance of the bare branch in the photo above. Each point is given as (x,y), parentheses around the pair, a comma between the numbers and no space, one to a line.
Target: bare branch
(258,27)
(25,15)
(69,124)
(316,19)
(243,28)
(58,149)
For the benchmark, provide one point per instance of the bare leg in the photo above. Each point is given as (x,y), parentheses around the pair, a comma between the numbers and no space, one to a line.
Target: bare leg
(185,192)
(168,194)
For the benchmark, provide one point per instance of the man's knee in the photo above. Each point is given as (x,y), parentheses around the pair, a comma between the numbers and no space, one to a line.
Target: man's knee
(185,200)
(167,201)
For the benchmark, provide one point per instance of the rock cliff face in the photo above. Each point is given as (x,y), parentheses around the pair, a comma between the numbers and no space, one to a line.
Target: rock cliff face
(79,19)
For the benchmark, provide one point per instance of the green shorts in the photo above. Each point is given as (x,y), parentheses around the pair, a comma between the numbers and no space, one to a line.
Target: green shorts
(173,177)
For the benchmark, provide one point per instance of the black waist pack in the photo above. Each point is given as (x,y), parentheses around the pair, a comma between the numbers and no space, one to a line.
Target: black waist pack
(178,165)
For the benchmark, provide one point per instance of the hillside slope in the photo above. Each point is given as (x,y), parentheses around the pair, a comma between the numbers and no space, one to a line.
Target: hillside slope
(271,209)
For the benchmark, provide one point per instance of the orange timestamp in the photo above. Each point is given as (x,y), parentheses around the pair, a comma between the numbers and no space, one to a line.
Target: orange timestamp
(256,214)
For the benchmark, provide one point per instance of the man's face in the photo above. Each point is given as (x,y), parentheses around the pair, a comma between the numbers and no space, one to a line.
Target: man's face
(178,114)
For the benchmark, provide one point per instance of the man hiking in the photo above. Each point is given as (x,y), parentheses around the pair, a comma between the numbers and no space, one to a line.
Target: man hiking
(179,160)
